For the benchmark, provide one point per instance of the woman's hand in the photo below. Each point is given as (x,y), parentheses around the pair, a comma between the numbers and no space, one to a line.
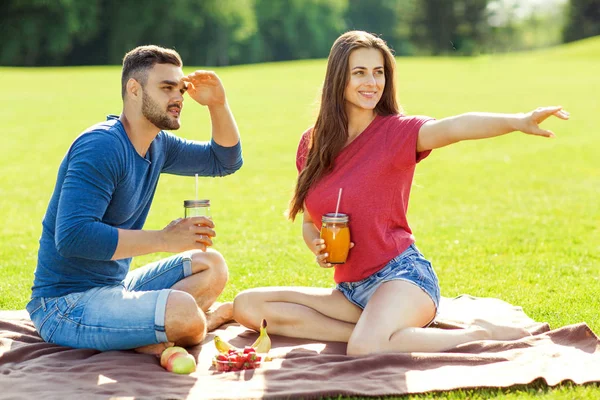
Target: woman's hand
(319,249)
(529,122)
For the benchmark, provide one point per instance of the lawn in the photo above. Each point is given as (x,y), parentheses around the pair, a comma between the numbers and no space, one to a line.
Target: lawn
(515,217)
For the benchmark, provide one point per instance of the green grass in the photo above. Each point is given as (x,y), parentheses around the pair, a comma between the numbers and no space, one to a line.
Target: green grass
(515,217)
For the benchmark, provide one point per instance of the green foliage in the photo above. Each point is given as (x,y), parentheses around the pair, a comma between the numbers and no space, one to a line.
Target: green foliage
(296,29)
(511,32)
(384,18)
(227,32)
(584,20)
(451,26)
(204,33)
(42,32)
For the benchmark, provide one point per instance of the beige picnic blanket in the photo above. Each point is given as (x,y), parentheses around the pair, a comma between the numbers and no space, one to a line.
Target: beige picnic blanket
(31,368)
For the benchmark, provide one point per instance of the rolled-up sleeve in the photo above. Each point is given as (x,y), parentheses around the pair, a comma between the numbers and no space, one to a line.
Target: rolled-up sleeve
(189,157)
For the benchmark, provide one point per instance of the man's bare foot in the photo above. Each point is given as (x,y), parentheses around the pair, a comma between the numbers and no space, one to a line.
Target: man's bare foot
(218,314)
(501,332)
(155,349)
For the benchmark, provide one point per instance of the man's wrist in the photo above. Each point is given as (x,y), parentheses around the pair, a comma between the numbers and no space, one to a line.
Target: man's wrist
(161,241)
(219,107)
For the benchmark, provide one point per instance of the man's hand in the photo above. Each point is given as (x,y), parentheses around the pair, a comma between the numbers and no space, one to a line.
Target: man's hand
(184,234)
(205,87)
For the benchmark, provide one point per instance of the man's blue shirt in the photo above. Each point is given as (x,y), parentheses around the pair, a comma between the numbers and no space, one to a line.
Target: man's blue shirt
(104,184)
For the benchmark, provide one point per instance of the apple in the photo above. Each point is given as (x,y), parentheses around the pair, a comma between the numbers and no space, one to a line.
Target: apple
(171,359)
(183,363)
(168,352)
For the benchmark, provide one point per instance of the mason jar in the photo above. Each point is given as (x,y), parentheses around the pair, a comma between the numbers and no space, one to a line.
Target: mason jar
(336,234)
(196,208)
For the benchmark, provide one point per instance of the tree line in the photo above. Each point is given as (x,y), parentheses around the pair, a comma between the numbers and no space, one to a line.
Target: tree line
(227,32)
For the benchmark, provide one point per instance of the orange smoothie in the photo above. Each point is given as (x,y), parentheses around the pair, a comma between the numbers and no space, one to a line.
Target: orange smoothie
(335,232)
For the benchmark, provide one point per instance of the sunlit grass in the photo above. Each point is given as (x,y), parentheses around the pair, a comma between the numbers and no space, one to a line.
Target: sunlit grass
(514,217)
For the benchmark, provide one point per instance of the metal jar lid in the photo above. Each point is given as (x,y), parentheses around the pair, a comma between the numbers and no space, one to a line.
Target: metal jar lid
(335,218)
(196,203)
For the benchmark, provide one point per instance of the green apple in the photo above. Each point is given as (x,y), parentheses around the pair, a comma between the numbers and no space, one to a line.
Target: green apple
(183,364)
(168,352)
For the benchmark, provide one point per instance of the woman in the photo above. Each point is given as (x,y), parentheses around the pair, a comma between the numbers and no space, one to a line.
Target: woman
(386,292)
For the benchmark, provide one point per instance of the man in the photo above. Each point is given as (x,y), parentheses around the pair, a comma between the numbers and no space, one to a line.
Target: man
(83,294)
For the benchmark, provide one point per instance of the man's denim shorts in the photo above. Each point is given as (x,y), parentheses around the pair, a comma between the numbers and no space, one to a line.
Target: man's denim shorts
(117,317)
(409,266)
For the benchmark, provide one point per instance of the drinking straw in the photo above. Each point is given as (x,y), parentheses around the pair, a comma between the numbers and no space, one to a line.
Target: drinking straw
(196,186)
(337,207)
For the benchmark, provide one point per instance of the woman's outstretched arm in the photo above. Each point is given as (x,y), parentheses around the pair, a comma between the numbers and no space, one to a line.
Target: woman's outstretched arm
(479,125)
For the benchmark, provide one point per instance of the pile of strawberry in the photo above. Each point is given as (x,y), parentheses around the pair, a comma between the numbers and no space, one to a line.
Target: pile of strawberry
(236,360)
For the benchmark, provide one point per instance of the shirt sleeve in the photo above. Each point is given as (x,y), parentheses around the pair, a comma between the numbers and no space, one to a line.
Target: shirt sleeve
(402,139)
(90,179)
(190,157)
(302,151)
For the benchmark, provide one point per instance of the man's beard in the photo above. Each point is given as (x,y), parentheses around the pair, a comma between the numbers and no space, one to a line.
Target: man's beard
(156,116)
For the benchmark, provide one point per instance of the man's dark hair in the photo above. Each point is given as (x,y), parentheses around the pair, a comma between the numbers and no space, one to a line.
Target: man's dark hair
(138,61)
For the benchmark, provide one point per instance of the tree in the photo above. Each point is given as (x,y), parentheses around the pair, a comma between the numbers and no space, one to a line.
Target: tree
(451,26)
(583,20)
(38,32)
(390,19)
(296,29)
(207,32)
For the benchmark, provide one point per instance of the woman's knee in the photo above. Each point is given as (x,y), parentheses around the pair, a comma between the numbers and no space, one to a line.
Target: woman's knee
(183,318)
(213,262)
(372,343)
(359,346)
(246,308)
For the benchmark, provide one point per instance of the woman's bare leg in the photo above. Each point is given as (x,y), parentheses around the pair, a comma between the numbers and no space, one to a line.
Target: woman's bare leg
(392,322)
(302,312)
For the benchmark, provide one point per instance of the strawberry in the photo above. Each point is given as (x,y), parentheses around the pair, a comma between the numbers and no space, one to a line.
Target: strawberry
(239,361)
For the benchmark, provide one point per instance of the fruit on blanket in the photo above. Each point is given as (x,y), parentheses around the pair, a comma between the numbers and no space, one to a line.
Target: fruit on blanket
(263,343)
(171,360)
(237,360)
(223,346)
(182,363)
(168,352)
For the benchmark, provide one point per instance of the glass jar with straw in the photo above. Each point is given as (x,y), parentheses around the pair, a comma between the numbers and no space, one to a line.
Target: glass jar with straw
(196,207)
(336,234)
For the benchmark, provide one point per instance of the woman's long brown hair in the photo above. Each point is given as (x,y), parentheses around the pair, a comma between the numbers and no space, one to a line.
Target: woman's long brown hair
(330,132)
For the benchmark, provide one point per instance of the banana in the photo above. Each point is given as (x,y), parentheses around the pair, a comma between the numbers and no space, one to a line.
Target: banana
(263,343)
(223,346)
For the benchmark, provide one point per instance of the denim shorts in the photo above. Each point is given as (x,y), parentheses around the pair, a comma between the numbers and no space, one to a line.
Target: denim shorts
(116,317)
(410,266)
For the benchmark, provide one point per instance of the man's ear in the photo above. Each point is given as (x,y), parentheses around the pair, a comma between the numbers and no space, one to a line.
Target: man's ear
(133,87)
